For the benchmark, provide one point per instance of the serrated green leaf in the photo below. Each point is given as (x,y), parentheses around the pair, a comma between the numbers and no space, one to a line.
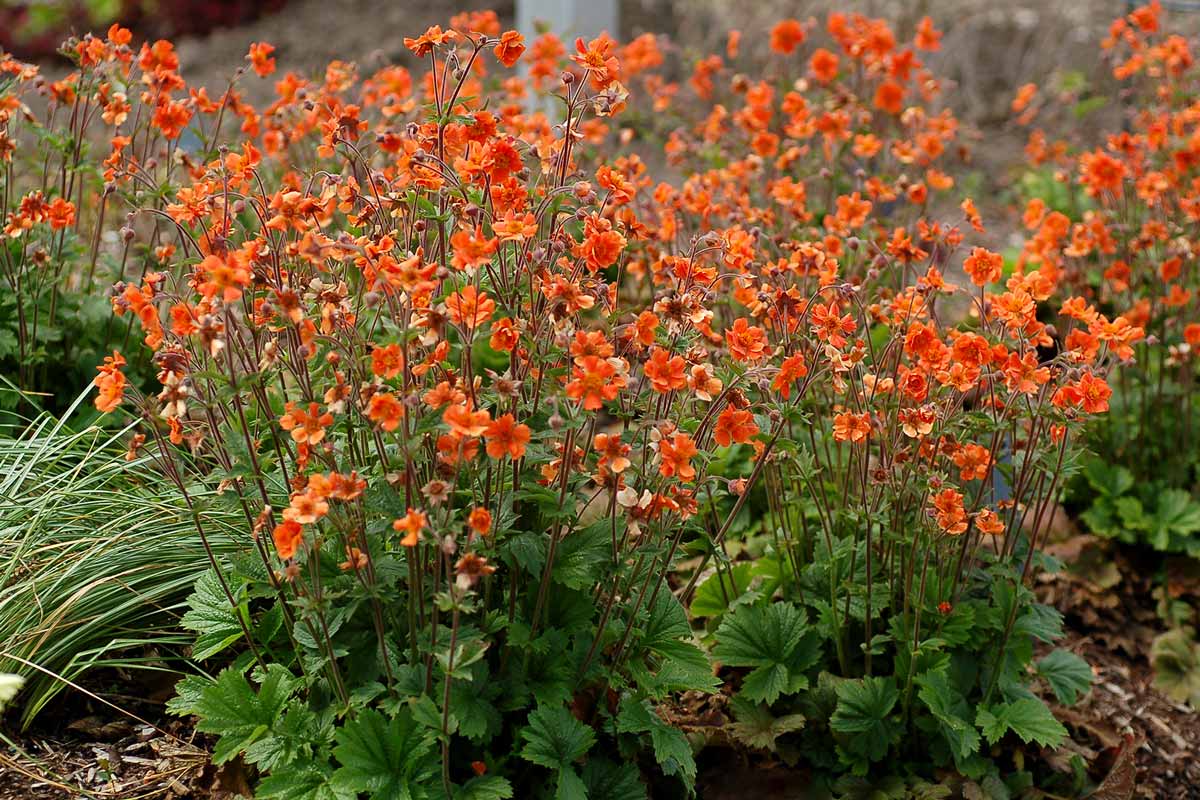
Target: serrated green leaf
(606,780)
(290,740)
(303,782)
(554,738)
(570,786)
(1069,675)
(386,759)
(231,708)
(1176,514)
(950,709)
(484,787)
(1028,718)
(210,616)
(671,748)
(863,713)
(757,727)
(188,694)
(776,641)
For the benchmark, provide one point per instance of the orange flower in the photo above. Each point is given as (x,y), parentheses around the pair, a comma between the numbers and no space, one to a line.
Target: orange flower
(786,36)
(951,517)
(791,370)
(1022,374)
(512,228)
(613,452)
(597,59)
(1191,334)
(387,362)
(666,373)
(734,426)
(480,521)
(971,350)
(928,37)
(469,307)
(602,245)
(984,266)
(171,117)
(306,507)
(987,522)
(505,436)
(306,427)
(385,410)
(111,383)
(472,249)
(260,58)
(676,454)
(746,342)
(433,37)
(504,336)
(595,382)
(224,277)
(823,65)
(287,536)
(849,427)
(973,462)
(464,420)
(889,97)
(510,47)
(829,326)
(1025,94)
(1093,394)
(412,524)
(1101,173)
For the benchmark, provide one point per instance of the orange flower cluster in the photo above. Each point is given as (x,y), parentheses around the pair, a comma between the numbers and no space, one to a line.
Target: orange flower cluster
(423,277)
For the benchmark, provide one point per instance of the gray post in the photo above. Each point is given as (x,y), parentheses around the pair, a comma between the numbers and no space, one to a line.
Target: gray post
(567,18)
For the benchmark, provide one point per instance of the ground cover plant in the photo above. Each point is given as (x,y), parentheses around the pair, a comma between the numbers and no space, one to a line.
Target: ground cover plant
(1118,228)
(1117,231)
(494,439)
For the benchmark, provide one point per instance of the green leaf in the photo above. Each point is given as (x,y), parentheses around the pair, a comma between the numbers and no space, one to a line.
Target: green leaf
(570,786)
(580,556)
(1175,513)
(757,727)
(677,664)
(211,617)
(608,781)
(303,782)
(1110,480)
(765,684)
(681,667)
(189,694)
(724,589)
(949,708)
(1175,656)
(231,708)
(555,739)
(387,759)
(478,718)
(863,713)
(1028,718)
(484,787)
(1069,675)
(774,639)
(291,739)
(671,748)
(1042,622)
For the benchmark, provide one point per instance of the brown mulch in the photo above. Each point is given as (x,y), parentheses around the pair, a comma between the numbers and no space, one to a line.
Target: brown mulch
(1109,596)
(108,760)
